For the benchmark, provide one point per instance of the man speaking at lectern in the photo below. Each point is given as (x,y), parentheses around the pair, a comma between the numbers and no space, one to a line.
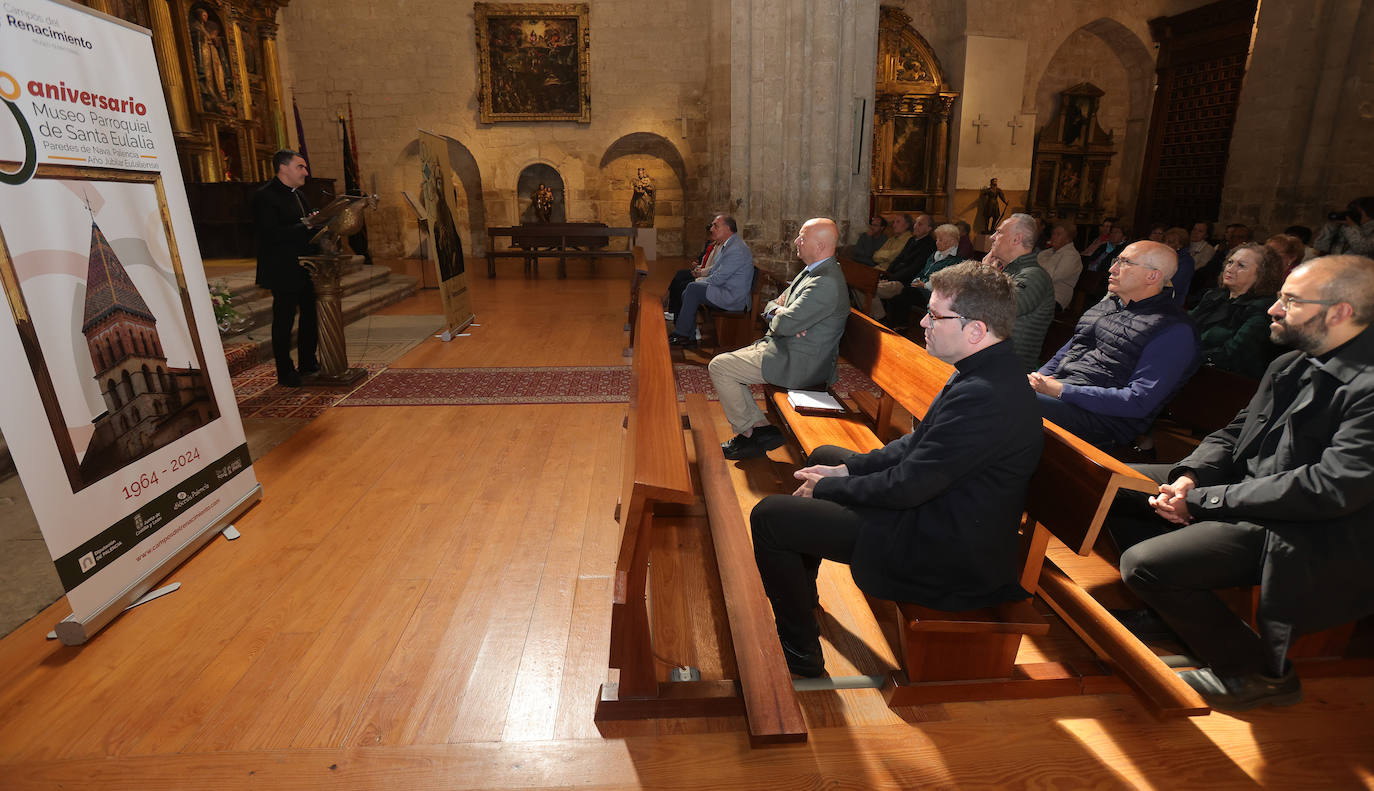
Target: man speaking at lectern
(280,214)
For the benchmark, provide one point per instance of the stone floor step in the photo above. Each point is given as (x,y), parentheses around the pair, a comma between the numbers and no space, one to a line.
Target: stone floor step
(254,344)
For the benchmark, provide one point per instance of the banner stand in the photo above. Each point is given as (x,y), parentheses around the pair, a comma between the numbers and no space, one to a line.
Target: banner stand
(75,632)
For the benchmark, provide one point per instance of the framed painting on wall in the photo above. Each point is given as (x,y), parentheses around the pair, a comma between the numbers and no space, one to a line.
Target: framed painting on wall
(532,61)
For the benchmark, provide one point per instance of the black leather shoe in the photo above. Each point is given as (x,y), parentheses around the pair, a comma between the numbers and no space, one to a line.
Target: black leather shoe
(1145,624)
(742,447)
(807,664)
(768,437)
(310,371)
(681,341)
(1244,692)
(291,380)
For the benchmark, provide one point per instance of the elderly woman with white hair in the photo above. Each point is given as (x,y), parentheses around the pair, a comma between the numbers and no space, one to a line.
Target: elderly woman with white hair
(906,287)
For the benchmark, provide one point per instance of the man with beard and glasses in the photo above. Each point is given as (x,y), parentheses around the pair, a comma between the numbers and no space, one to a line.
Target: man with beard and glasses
(1282,498)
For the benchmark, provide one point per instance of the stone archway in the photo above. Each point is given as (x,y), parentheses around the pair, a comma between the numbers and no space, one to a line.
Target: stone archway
(1110,55)
(469,176)
(653,152)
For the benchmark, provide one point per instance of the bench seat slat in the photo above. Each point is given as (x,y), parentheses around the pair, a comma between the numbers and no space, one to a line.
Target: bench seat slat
(770,702)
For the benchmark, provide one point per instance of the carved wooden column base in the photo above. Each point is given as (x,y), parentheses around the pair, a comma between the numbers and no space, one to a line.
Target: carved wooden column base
(325,272)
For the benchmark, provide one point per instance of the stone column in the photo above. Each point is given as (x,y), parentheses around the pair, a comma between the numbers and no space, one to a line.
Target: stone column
(169,65)
(797,71)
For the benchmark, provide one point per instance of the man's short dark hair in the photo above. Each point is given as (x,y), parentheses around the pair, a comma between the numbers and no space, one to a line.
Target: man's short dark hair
(729,222)
(1365,204)
(282,157)
(979,292)
(1351,281)
(1301,231)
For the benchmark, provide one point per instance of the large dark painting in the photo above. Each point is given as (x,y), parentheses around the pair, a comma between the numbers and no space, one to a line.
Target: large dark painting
(533,60)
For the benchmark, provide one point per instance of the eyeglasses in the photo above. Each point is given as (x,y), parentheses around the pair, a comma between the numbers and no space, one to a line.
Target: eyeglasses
(937,317)
(1236,262)
(1288,301)
(1124,261)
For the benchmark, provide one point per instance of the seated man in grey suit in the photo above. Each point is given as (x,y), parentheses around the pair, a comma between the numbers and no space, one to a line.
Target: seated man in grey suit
(801,348)
(725,287)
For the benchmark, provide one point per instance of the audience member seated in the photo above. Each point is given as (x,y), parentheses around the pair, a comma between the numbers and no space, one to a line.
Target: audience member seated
(1199,243)
(906,266)
(1281,498)
(1011,252)
(912,298)
(1351,231)
(966,251)
(869,241)
(1232,321)
(801,348)
(1156,233)
(1177,239)
(1290,249)
(1208,274)
(672,300)
(725,287)
(1062,262)
(900,228)
(1129,353)
(1304,234)
(1102,259)
(1103,238)
(932,517)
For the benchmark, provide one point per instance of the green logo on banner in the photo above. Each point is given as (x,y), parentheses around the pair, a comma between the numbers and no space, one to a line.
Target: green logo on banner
(8,93)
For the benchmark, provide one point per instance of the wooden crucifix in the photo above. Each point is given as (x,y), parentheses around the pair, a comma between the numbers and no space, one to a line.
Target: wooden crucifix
(978,125)
(1014,123)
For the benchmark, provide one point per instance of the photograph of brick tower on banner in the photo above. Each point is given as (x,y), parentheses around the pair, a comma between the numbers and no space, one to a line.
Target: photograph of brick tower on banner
(148,403)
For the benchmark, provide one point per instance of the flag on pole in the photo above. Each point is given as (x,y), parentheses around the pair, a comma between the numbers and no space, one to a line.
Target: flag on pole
(300,130)
(352,186)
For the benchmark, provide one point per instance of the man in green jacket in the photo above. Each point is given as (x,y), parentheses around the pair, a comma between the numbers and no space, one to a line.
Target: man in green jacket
(1013,252)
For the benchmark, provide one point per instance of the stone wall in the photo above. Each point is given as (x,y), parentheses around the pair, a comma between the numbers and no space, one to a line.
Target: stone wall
(414,67)
(1301,142)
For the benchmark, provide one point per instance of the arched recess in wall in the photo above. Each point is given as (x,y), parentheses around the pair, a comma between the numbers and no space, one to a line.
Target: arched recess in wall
(641,149)
(528,182)
(469,187)
(1126,66)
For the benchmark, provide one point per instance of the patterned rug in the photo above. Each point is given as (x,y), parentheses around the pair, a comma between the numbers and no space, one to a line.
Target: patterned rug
(259,395)
(609,384)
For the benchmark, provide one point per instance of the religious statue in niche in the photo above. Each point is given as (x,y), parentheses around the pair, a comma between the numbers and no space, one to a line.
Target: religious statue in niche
(910,67)
(642,202)
(214,77)
(543,203)
(991,203)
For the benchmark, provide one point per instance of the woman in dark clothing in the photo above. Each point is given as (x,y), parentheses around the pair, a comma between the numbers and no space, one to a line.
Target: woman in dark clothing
(1233,320)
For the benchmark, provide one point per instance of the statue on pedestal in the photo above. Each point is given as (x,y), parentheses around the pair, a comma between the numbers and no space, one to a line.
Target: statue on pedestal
(991,203)
(543,203)
(642,202)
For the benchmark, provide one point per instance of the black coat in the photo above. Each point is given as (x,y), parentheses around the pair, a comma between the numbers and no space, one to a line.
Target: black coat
(911,260)
(282,237)
(1315,493)
(942,505)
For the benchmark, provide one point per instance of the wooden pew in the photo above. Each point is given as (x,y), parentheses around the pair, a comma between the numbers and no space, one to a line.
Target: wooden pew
(638,275)
(861,279)
(556,240)
(1210,399)
(770,702)
(735,329)
(1070,494)
(657,472)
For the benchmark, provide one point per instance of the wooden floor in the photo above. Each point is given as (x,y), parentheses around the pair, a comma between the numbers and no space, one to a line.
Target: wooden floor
(422,601)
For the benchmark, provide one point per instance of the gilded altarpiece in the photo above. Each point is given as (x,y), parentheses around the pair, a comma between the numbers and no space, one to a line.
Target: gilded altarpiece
(1072,154)
(912,105)
(218,63)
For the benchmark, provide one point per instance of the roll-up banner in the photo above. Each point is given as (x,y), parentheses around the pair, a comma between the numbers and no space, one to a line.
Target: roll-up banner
(439,195)
(116,402)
